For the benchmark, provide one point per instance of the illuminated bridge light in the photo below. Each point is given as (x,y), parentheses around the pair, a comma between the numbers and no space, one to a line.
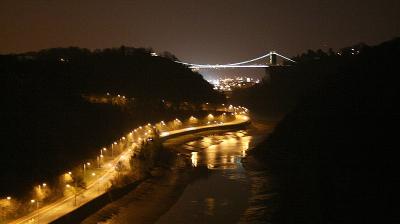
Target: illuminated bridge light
(238,64)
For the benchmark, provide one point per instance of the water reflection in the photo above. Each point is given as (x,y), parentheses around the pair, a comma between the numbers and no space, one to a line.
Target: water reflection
(223,196)
(210,205)
(194,159)
(226,193)
(219,151)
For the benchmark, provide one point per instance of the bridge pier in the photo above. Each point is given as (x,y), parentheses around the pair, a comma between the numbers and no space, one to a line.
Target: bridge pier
(272,58)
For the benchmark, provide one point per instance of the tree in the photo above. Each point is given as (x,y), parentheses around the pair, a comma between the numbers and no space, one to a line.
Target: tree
(331,52)
(169,55)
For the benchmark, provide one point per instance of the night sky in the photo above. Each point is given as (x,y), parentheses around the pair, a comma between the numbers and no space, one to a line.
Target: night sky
(197,31)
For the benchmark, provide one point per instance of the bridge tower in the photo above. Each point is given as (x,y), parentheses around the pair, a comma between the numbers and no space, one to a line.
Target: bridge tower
(272,58)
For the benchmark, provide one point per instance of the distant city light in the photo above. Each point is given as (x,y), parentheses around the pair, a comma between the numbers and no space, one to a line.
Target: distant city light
(229,84)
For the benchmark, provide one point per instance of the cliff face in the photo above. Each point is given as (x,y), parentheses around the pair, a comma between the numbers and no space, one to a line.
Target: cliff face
(334,154)
(284,87)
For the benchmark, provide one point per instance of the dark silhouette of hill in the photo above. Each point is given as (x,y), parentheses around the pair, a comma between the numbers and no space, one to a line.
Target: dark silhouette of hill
(46,126)
(284,86)
(334,154)
(126,71)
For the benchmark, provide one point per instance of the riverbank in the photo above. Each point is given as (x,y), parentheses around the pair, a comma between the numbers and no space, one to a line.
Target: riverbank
(263,201)
(229,192)
(333,156)
(240,120)
(150,199)
(157,195)
(144,160)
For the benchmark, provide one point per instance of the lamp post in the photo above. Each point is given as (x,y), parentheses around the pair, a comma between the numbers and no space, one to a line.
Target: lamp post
(76,185)
(8,204)
(33,201)
(112,149)
(84,168)
(101,160)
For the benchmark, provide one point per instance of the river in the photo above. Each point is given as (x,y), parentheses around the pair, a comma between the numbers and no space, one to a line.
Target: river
(229,193)
(225,192)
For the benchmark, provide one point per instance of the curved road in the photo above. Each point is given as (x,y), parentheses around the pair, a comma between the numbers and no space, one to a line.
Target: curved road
(66,204)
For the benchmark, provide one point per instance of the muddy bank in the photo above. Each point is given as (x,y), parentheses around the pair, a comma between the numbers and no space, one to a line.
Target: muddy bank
(150,199)
(156,197)
(85,210)
(334,157)
(229,194)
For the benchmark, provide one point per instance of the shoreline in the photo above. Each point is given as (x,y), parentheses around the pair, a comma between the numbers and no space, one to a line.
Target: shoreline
(149,200)
(96,200)
(156,195)
(153,197)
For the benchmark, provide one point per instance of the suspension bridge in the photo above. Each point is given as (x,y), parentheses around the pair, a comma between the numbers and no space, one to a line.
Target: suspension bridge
(272,56)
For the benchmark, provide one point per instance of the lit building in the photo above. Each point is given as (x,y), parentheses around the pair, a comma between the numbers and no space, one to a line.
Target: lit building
(229,84)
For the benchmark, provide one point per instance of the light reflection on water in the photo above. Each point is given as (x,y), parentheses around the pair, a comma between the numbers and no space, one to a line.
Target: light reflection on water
(219,189)
(194,159)
(219,151)
(223,195)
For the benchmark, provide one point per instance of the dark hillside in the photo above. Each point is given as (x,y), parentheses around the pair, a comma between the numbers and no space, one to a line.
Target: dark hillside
(284,87)
(334,154)
(46,126)
(126,71)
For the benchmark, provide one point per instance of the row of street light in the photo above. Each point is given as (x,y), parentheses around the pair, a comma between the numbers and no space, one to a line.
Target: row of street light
(137,137)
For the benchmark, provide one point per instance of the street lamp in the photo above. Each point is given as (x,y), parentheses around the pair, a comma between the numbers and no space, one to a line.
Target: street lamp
(112,149)
(84,167)
(98,161)
(74,188)
(33,201)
